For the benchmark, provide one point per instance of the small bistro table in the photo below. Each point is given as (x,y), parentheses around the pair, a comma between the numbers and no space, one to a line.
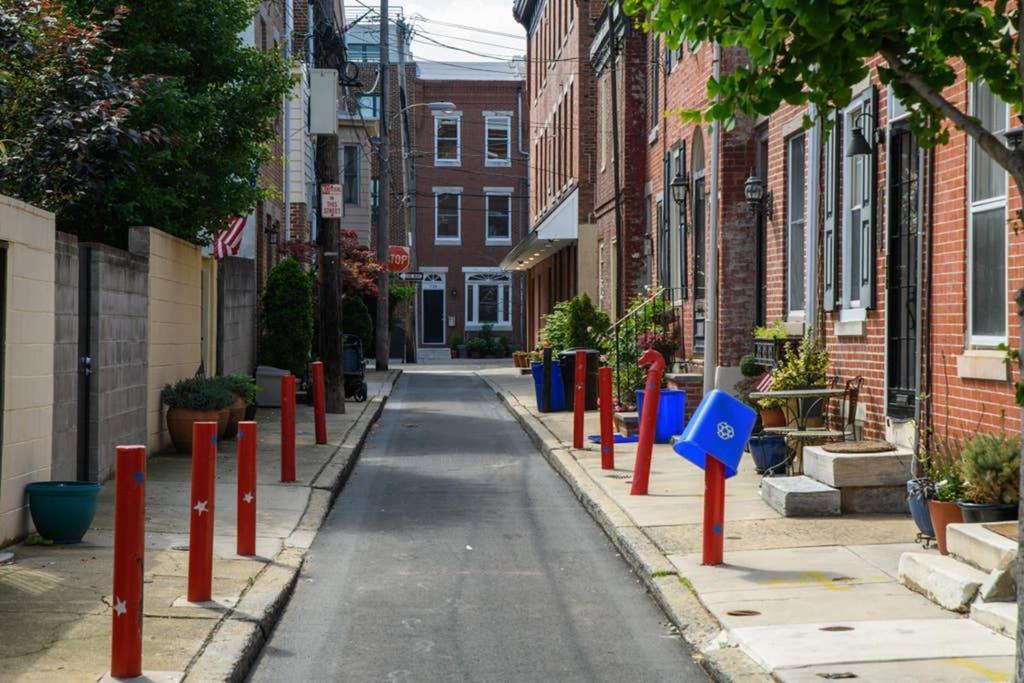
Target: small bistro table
(805,402)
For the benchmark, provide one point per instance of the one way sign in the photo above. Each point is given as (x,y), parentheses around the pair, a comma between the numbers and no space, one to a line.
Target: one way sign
(410,277)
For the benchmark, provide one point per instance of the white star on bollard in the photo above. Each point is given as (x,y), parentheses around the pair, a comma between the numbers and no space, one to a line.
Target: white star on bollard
(120,607)
(200,507)
(248,497)
(725,431)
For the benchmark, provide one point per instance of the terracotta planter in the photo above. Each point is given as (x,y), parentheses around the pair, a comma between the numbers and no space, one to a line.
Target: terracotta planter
(943,514)
(223,415)
(236,412)
(772,417)
(179,425)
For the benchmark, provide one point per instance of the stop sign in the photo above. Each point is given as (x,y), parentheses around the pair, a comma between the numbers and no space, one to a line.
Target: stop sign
(398,259)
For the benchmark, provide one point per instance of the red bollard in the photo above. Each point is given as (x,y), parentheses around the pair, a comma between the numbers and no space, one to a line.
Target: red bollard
(129,553)
(246,502)
(648,421)
(319,402)
(288,428)
(200,532)
(579,399)
(604,399)
(714,510)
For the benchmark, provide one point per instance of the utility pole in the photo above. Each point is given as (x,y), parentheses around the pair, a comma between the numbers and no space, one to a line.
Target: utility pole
(408,185)
(384,194)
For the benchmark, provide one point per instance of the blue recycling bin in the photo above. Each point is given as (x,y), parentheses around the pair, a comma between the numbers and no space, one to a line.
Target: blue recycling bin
(671,413)
(720,427)
(557,398)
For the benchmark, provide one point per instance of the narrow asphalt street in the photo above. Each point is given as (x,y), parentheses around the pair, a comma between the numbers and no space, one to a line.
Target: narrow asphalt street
(455,553)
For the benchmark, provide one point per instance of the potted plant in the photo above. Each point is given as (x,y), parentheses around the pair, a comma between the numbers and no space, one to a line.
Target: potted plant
(456,342)
(805,367)
(243,389)
(196,399)
(920,490)
(990,467)
(521,359)
(943,509)
(476,347)
(62,511)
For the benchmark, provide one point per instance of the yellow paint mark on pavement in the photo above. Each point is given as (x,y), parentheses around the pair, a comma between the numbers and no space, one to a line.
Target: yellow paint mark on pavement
(815,579)
(988,673)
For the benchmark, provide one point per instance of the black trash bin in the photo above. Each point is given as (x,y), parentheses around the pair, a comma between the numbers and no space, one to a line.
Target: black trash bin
(567,366)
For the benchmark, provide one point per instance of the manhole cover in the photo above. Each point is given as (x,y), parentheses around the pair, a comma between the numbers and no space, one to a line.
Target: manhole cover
(834,629)
(743,613)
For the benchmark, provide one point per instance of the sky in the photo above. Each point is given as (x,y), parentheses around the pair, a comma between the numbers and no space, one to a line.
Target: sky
(467,24)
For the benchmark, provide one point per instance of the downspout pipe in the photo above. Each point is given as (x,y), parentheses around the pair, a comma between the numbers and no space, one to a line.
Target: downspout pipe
(620,247)
(711,303)
(813,213)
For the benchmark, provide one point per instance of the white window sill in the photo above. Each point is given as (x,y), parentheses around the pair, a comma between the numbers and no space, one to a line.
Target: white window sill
(850,328)
(441,242)
(795,324)
(503,163)
(988,364)
(652,137)
(498,243)
(853,314)
(505,327)
(447,162)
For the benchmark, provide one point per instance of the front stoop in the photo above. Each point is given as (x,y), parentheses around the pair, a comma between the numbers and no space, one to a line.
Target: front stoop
(979,547)
(946,582)
(800,497)
(1001,617)
(869,482)
(627,424)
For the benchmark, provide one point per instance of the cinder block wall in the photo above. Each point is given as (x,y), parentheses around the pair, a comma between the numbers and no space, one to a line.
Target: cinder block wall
(175,319)
(28,359)
(236,315)
(64,462)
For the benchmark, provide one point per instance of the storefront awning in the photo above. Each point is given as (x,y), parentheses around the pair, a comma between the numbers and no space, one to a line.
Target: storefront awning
(558,230)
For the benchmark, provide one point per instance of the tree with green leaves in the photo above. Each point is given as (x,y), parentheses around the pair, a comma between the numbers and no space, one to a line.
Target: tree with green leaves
(215,99)
(815,52)
(286,322)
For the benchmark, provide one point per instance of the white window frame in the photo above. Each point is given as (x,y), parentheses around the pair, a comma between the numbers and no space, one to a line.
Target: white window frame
(984,341)
(497,192)
(476,276)
(490,116)
(446,116)
(795,313)
(853,309)
(457,191)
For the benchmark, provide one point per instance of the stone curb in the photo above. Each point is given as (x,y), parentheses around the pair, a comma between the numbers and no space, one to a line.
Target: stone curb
(696,625)
(232,648)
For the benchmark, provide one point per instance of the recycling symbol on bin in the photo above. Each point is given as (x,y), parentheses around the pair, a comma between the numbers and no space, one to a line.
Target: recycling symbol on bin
(725,431)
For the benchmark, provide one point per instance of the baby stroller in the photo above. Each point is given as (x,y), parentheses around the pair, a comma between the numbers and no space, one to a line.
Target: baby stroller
(354,367)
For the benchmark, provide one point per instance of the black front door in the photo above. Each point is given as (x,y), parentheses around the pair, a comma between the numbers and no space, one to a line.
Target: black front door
(901,278)
(433,316)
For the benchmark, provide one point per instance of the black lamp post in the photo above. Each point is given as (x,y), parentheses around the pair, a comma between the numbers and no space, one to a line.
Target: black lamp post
(760,201)
(680,187)
(271,232)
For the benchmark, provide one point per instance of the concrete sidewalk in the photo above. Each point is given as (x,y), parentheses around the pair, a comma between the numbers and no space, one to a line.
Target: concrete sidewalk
(799,599)
(55,600)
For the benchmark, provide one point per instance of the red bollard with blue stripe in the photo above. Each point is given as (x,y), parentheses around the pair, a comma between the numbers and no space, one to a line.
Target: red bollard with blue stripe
(713,440)
(648,420)
(604,398)
(129,554)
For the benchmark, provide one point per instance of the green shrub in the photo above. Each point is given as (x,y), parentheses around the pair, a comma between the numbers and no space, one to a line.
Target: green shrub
(455,340)
(287,318)
(749,367)
(478,344)
(990,466)
(239,384)
(398,293)
(196,393)
(575,323)
(777,330)
(356,320)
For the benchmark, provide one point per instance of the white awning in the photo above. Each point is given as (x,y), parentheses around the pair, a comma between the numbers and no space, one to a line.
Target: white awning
(559,229)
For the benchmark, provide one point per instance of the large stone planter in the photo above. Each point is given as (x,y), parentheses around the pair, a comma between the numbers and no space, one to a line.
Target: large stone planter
(179,425)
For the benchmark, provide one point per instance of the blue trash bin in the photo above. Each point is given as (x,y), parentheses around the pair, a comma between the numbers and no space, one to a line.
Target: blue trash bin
(720,426)
(557,399)
(671,413)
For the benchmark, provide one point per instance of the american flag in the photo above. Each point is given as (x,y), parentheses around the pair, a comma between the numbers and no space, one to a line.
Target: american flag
(228,240)
(765,383)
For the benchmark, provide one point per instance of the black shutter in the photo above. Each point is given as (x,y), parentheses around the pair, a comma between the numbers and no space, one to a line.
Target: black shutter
(869,221)
(681,209)
(664,255)
(831,186)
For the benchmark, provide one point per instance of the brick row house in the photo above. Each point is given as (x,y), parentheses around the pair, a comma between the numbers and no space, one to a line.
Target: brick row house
(900,259)
(470,201)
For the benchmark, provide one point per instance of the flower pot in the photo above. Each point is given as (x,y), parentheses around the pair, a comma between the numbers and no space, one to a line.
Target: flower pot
(977,513)
(772,417)
(179,425)
(222,421)
(943,513)
(62,511)
(236,411)
(770,453)
(919,508)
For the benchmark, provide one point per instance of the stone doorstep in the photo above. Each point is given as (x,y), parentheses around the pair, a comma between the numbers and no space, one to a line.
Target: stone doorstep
(874,499)
(979,547)
(1001,617)
(627,424)
(943,580)
(841,470)
(800,496)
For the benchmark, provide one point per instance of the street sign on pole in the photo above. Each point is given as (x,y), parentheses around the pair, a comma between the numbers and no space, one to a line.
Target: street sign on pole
(410,277)
(398,258)
(330,200)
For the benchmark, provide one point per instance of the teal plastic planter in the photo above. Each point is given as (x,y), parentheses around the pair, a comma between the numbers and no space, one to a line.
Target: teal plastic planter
(62,510)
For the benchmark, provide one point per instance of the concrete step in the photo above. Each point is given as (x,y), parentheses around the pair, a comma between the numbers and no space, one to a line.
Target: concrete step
(1001,617)
(842,470)
(627,424)
(429,354)
(943,580)
(800,497)
(874,499)
(979,547)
